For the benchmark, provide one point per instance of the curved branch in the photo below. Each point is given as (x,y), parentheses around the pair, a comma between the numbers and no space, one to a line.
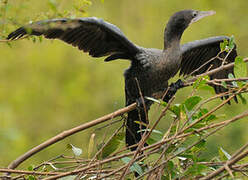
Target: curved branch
(67,133)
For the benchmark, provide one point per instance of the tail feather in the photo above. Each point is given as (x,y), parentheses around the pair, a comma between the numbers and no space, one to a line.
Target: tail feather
(134,130)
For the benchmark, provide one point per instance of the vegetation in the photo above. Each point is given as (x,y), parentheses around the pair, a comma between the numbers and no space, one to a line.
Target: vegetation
(47,87)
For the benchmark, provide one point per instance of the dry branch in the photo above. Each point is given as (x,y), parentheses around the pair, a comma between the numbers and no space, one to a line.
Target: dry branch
(230,162)
(69,132)
(190,81)
(13,171)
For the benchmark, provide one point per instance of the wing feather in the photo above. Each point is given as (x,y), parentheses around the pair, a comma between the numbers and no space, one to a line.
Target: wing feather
(91,34)
(200,56)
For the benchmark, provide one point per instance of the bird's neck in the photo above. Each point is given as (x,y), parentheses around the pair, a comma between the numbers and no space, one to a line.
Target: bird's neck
(172,37)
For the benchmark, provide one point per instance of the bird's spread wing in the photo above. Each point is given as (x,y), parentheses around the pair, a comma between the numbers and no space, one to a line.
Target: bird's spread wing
(199,57)
(92,35)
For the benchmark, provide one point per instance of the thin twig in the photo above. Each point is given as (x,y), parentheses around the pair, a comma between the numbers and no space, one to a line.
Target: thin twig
(190,81)
(144,138)
(14,171)
(229,163)
(204,137)
(213,110)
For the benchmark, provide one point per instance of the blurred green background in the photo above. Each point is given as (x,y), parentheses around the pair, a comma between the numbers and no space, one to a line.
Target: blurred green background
(49,87)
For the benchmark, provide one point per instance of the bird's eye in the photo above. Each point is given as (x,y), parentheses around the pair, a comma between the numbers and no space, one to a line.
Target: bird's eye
(194,14)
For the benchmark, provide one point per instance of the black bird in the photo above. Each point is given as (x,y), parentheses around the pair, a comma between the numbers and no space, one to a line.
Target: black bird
(150,69)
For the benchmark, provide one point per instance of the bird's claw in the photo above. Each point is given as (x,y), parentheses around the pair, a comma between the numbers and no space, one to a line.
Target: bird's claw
(179,84)
(173,89)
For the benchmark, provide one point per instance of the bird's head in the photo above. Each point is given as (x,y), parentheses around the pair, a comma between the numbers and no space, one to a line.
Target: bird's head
(179,22)
(182,19)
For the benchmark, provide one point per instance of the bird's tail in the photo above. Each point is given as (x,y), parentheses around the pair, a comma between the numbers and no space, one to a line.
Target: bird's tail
(136,121)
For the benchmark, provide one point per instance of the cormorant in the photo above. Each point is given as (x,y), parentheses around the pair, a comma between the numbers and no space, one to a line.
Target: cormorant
(150,68)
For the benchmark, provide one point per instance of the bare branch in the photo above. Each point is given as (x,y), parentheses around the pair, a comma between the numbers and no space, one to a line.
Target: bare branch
(67,133)
(228,163)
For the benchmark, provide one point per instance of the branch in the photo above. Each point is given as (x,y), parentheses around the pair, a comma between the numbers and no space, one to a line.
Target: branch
(143,140)
(203,137)
(230,162)
(5,170)
(67,133)
(190,81)
(156,147)
(214,109)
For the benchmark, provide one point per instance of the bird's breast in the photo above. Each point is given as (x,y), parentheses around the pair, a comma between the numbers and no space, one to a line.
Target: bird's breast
(152,80)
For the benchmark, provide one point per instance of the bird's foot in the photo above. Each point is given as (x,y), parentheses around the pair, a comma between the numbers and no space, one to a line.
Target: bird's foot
(173,89)
(168,96)
(179,84)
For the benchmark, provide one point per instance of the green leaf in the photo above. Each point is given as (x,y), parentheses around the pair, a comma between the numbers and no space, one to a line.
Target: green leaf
(231,43)
(31,167)
(231,76)
(198,126)
(155,135)
(157,101)
(176,109)
(223,154)
(141,123)
(191,102)
(34,39)
(112,145)
(153,99)
(150,141)
(201,144)
(76,151)
(200,82)
(223,45)
(135,167)
(170,170)
(186,156)
(170,165)
(204,111)
(223,83)
(31,177)
(179,150)
(40,39)
(196,169)
(210,118)
(243,99)
(240,69)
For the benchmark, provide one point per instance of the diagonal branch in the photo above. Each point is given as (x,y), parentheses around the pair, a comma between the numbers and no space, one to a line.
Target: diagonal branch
(67,133)
(230,162)
(190,81)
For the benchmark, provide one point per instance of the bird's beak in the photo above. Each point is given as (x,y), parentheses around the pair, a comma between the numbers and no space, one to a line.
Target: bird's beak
(202,14)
